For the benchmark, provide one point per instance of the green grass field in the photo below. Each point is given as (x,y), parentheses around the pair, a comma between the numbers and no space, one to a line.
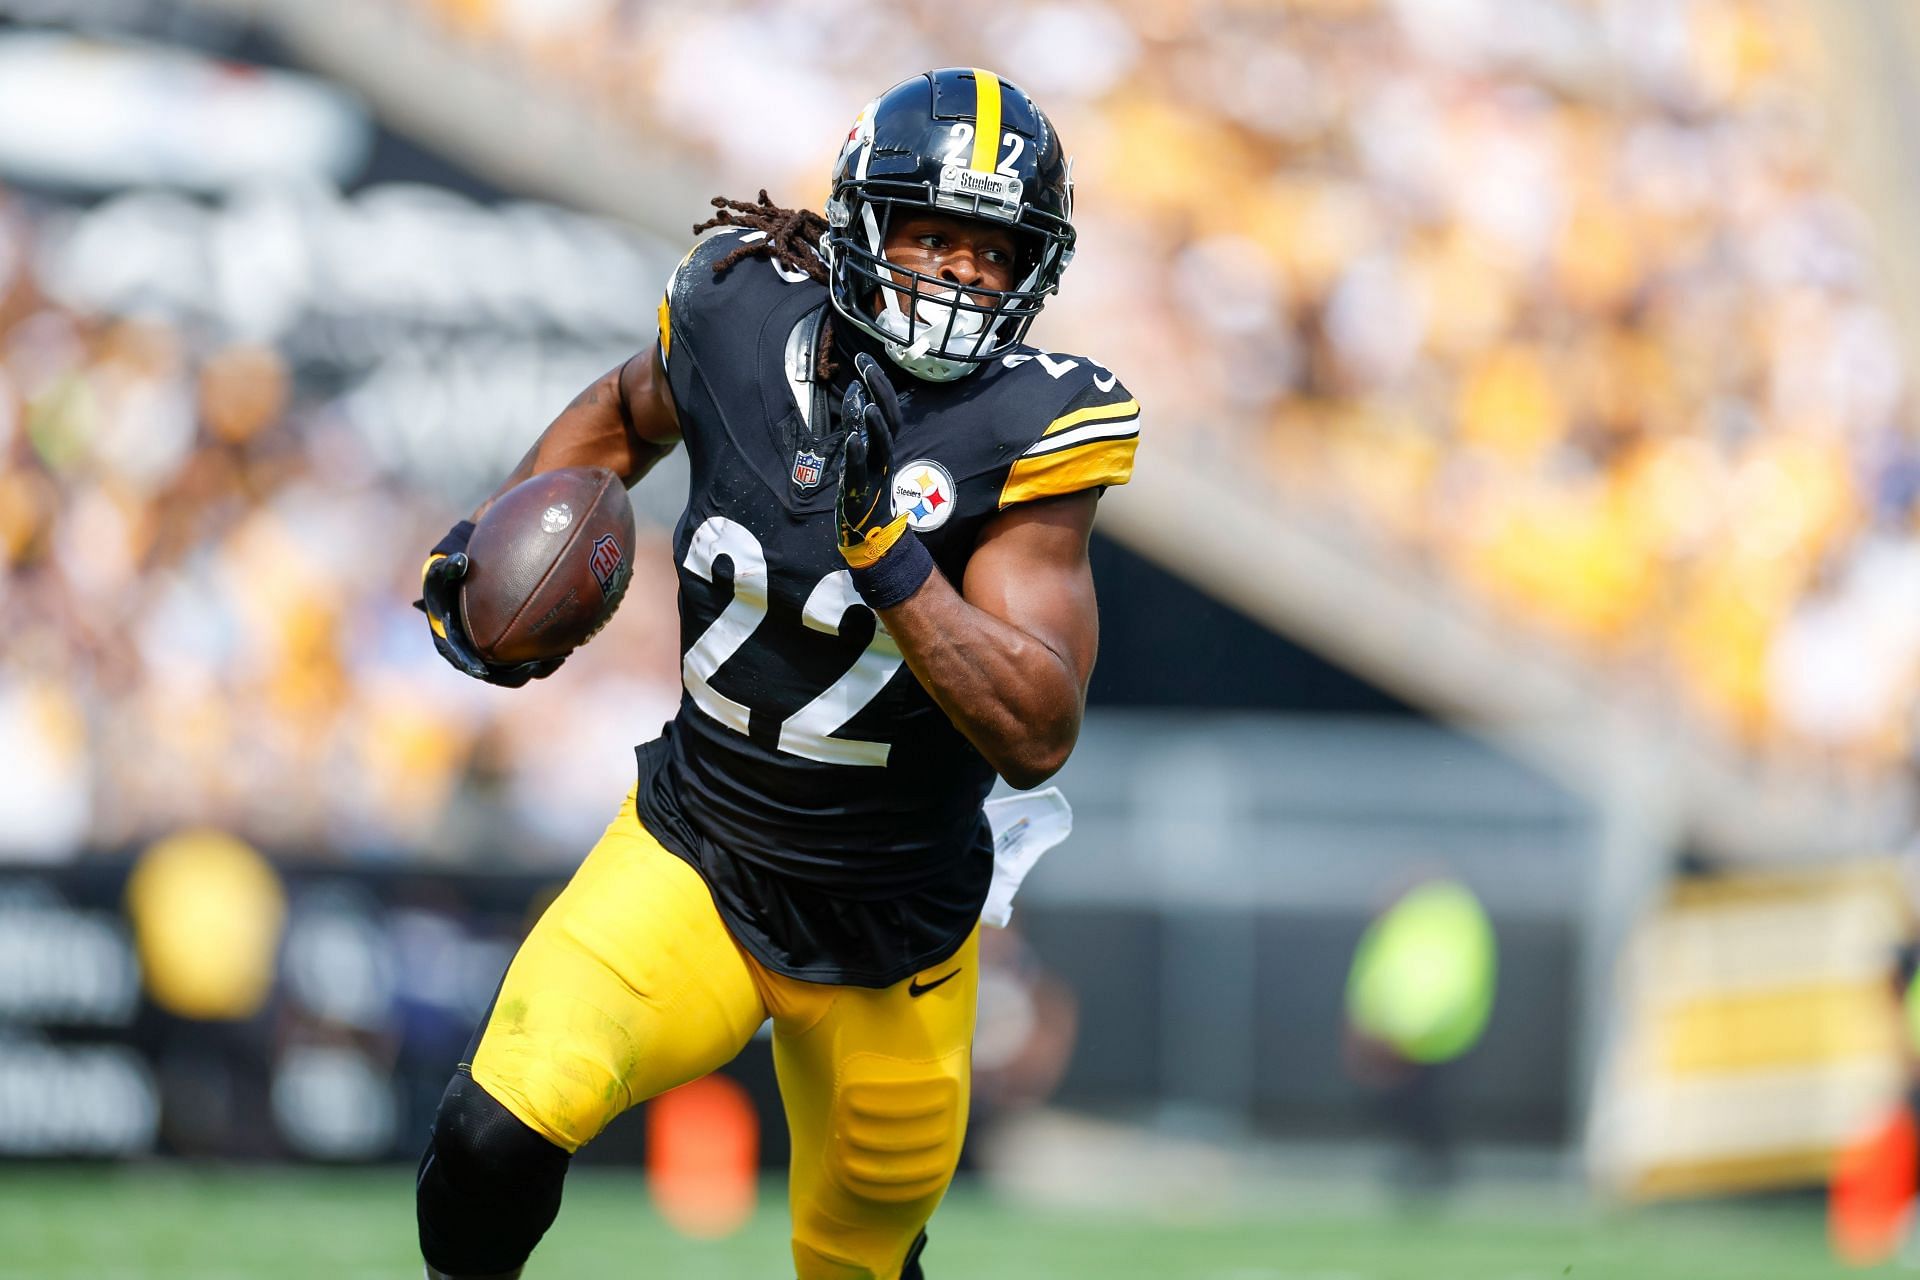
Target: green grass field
(226,1224)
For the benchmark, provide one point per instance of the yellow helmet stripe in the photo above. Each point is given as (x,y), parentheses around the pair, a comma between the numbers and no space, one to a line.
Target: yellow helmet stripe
(986,120)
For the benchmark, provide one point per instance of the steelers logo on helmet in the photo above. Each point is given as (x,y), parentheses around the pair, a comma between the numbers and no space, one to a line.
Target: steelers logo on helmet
(923,492)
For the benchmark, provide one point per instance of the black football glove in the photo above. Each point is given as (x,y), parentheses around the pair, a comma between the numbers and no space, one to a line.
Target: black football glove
(439,599)
(889,563)
(871,414)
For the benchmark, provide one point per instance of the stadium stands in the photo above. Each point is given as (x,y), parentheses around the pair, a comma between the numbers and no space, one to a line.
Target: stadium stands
(206,564)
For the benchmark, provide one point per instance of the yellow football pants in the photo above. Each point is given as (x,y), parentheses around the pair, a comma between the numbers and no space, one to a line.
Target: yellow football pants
(630,984)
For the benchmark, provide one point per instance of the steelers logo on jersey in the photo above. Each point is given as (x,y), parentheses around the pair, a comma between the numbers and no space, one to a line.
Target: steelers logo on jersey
(923,492)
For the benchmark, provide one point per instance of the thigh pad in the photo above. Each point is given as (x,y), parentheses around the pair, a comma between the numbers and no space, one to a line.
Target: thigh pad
(897,1126)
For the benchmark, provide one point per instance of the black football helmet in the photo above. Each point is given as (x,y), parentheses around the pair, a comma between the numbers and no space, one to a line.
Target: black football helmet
(960,141)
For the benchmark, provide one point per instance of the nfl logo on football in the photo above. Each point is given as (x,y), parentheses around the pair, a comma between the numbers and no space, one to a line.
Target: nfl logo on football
(807,467)
(607,562)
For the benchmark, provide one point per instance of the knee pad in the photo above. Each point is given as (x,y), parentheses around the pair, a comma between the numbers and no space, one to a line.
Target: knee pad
(489,1186)
(887,1153)
(898,1136)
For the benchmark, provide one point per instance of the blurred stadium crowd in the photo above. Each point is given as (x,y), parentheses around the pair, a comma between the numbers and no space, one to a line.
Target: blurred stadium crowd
(1560,302)
(206,559)
(1561,298)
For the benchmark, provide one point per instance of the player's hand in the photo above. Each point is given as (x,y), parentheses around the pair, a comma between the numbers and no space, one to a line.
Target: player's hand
(871,414)
(889,563)
(440,601)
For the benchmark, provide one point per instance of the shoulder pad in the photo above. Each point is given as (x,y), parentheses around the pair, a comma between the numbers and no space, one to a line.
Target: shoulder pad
(694,291)
(1088,436)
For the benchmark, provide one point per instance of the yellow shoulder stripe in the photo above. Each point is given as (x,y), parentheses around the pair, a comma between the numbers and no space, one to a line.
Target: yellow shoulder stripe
(986,120)
(1051,475)
(1094,413)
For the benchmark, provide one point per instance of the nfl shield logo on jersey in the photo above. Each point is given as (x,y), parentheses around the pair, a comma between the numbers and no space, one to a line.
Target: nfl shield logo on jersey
(807,466)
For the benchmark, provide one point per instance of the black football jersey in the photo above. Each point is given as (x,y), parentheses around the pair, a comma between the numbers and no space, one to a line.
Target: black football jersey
(832,807)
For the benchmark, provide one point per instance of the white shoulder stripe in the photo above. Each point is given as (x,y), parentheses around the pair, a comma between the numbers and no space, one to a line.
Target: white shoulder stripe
(1118,429)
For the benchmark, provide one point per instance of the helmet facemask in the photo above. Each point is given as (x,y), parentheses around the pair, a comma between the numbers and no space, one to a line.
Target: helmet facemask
(934,328)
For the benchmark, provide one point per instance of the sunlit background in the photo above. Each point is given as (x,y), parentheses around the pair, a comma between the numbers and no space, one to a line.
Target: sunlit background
(1495,816)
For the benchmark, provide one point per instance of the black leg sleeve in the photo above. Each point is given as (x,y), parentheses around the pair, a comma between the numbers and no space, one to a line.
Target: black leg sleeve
(489,1186)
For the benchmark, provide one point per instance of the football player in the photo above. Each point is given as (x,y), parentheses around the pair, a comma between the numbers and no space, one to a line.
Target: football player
(885,601)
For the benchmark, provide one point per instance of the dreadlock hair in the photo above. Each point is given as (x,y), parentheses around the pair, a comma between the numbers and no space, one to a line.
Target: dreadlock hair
(792,237)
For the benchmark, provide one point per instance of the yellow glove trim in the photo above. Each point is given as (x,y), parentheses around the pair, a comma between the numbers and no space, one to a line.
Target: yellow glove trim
(876,542)
(439,628)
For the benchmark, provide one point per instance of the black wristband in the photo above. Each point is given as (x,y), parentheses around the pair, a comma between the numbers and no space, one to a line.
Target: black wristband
(456,539)
(896,575)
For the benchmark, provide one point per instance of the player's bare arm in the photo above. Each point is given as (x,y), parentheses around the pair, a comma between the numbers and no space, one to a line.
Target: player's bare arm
(1008,656)
(625,421)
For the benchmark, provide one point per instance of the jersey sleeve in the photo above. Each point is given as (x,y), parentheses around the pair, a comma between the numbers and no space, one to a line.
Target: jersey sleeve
(709,323)
(703,307)
(1088,443)
(681,299)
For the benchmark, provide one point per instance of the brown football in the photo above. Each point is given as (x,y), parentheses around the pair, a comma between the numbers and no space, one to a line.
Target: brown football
(550,561)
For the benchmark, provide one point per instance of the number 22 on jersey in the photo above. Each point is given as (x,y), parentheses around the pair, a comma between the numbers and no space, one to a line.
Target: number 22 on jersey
(808,731)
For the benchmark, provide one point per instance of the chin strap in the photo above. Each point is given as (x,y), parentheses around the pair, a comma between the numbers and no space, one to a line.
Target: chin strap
(919,349)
